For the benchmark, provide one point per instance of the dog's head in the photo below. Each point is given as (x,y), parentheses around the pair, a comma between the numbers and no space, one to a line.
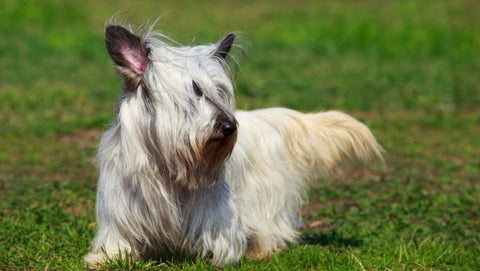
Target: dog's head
(176,113)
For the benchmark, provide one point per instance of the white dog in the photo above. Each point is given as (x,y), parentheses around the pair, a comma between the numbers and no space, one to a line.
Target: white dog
(182,173)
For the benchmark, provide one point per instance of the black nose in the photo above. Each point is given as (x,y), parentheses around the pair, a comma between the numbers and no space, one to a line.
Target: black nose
(228,128)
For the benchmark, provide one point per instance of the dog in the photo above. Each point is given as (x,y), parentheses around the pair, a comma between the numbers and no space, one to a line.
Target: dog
(182,173)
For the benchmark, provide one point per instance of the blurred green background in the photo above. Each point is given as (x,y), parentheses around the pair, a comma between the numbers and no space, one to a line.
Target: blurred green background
(409,69)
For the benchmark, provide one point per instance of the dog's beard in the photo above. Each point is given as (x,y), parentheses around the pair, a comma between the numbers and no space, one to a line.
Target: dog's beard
(202,164)
(209,166)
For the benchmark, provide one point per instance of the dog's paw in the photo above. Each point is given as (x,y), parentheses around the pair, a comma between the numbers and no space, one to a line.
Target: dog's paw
(95,260)
(258,249)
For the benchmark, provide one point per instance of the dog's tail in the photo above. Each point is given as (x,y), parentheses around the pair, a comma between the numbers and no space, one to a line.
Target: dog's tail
(321,144)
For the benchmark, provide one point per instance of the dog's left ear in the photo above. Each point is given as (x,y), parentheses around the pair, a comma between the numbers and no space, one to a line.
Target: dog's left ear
(224,46)
(127,51)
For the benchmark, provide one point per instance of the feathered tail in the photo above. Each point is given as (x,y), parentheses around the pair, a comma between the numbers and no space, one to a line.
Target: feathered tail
(321,144)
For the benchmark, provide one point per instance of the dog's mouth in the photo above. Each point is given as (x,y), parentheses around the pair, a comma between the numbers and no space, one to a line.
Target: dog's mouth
(214,140)
(221,138)
(220,145)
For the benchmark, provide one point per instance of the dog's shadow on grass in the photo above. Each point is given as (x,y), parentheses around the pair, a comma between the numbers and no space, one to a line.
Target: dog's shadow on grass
(329,239)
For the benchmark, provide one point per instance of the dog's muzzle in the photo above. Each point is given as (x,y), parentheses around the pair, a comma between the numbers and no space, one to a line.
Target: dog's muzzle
(225,130)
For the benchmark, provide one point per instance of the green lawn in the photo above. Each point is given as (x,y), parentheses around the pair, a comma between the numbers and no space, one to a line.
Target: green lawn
(409,69)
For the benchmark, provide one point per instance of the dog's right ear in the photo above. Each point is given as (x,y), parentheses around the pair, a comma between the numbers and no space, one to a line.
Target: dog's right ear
(127,51)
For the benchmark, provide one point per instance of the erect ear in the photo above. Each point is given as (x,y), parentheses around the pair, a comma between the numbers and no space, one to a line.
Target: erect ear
(127,51)
(224,46)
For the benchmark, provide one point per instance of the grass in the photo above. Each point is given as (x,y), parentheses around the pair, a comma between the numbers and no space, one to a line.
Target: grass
(409,69)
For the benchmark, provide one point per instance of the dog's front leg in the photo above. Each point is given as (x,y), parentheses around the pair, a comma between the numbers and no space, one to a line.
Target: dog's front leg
(214,228)
(108,244)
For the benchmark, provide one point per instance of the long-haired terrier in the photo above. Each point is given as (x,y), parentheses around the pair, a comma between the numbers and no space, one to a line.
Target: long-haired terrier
(182,173)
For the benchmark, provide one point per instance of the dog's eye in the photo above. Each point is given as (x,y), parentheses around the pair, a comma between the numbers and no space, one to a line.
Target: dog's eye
(197,89)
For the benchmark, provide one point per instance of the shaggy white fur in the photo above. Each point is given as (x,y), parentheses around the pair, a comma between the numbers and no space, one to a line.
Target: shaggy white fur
(184,174)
